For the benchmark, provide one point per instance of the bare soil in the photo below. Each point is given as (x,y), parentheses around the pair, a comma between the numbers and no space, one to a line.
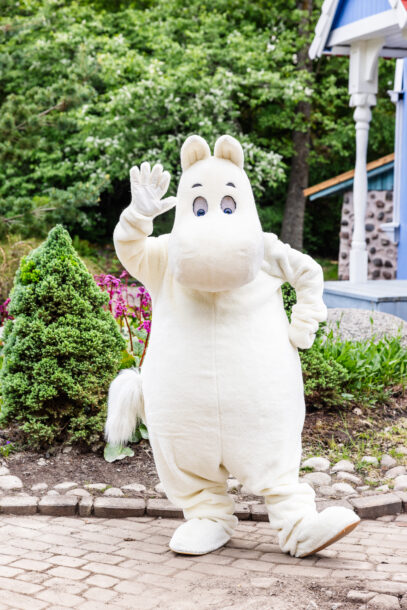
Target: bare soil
(85,468)
(321,427)
(347,426)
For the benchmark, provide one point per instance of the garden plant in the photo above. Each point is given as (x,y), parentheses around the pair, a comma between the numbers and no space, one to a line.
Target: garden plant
(61,349)
(131,307)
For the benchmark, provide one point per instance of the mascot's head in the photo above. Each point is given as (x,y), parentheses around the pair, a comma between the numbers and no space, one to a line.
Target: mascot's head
(217,241)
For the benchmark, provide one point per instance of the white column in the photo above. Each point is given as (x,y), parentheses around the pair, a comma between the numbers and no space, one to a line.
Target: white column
(358,253)
(362,88)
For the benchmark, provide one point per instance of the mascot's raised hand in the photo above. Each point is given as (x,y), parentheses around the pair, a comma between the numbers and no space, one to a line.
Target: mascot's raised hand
(126,403)
(148,186)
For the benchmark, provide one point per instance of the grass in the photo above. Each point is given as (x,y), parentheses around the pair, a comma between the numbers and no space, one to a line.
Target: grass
(6,449)
(330,268)
(12,249)
(374,367)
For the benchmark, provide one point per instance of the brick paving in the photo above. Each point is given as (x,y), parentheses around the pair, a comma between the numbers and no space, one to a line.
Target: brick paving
(51,562)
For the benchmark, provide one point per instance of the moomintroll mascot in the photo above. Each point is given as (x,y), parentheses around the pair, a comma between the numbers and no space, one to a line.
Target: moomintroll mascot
(221,387)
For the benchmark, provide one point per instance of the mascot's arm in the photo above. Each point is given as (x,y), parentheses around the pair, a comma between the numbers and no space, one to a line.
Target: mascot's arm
(306,276)
(144,257)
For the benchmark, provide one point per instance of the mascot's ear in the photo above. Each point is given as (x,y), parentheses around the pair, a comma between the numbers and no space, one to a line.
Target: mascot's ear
(229,148)
(194,149)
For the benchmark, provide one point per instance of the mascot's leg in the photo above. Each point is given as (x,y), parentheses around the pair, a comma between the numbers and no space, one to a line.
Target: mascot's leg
(271,470)
(125,406)
(194,480)
(303,531)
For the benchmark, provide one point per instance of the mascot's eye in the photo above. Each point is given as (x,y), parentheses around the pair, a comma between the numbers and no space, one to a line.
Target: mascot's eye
(200,206)
(228,205)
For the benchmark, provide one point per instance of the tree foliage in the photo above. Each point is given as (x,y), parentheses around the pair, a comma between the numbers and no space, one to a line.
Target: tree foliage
(88,89)
(62,349)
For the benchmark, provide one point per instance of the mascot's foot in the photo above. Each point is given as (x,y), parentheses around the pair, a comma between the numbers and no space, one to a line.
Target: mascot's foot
(317,531)
(198,536)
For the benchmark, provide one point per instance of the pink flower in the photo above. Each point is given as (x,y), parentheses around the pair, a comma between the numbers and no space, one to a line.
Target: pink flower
(123,304)
(4,314)
(146,325)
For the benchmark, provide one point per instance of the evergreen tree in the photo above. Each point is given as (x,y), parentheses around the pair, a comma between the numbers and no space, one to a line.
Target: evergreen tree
(62,349)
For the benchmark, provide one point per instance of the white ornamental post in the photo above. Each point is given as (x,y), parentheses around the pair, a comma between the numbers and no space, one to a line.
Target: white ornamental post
(362,88)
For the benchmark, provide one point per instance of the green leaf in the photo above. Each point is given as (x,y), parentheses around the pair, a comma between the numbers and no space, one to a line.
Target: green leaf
(143,431)
(136,438)
(116,452)
(127,360)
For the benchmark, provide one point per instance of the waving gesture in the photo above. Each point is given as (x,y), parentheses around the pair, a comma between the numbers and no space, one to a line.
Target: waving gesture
(147,188)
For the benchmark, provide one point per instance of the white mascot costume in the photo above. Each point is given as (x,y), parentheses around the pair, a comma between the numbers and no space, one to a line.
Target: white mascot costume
(221,387)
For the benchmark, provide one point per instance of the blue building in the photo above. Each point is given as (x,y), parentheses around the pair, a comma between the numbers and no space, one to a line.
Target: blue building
(366,30)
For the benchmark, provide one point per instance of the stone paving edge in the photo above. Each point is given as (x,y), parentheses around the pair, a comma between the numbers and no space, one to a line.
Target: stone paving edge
(369,507)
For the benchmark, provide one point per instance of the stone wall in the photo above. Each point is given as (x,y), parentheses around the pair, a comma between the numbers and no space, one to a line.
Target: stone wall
(382,253)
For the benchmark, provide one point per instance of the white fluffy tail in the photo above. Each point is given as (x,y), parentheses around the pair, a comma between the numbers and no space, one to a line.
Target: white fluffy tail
(125,406)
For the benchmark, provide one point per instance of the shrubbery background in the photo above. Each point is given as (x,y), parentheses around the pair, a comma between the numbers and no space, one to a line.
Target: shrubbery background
(88,89)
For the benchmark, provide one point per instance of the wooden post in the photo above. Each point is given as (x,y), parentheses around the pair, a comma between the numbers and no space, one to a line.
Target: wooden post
(362,88)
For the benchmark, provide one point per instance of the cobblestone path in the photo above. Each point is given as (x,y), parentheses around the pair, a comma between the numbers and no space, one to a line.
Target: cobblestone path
(90,563)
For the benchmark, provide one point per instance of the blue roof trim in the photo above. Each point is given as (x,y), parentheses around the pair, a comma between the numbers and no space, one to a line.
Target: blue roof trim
(349,11)
(380,170)
(379,179)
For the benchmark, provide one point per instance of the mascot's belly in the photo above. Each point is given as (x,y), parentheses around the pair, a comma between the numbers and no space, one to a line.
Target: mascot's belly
(221,358)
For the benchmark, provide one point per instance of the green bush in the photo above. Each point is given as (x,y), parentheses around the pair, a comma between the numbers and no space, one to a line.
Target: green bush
(324,379)
(61,351)
(341,373)
(374,367)
(323,376)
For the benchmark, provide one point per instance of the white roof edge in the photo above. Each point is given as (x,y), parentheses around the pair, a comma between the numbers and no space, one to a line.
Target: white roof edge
(323,28)
(401,12)
(384,52)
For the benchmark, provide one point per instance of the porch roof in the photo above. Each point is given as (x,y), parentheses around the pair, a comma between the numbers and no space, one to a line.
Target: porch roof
(379,174)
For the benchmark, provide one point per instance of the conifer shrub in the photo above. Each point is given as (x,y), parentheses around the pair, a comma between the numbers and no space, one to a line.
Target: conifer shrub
(61,350)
